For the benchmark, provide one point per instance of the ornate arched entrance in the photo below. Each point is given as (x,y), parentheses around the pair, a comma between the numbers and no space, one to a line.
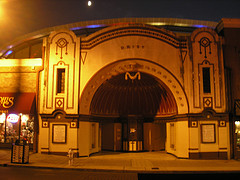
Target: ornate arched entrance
(133,65)
(126,97)
(131,99)
(133,93)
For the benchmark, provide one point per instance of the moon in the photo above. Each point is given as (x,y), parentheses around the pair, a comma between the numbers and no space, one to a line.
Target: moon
(89,3)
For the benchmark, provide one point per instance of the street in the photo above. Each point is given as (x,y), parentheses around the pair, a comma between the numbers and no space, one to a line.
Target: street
(28,173)
(23,173)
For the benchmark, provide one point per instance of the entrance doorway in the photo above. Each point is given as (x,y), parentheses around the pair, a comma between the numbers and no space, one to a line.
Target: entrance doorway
(132,134)
(127,106)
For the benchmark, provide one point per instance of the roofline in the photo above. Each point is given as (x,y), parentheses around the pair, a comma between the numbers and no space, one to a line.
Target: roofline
(108,22)
(228,23)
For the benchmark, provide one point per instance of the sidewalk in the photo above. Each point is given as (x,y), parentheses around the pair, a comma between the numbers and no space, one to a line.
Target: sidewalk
(133,162)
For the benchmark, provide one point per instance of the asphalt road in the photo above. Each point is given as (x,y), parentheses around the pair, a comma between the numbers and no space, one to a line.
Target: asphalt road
(23,173)
(28,173)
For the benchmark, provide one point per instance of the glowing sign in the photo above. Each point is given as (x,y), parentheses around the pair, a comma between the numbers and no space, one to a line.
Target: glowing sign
(6,102)
(2,117)
(12,118)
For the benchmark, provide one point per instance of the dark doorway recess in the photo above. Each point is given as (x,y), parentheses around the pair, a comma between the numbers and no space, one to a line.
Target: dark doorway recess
(132,100)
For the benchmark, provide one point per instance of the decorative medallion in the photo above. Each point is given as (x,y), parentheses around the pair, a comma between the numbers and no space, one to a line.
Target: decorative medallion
(59,103)
(207,102)
(194,124)
(73,124)
(61,43)
(205,43)
(44,124)
(222,123)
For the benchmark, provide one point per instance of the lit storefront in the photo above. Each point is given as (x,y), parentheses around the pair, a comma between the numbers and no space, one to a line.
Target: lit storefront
(17,118)
(237,131)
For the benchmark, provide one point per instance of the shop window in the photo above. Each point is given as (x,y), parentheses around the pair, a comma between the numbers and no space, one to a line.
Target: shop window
(237,132)
(60,80)
(10,130)
(2,127)
(206,80)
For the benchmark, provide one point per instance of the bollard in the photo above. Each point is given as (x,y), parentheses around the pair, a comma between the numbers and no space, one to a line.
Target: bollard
(71,156)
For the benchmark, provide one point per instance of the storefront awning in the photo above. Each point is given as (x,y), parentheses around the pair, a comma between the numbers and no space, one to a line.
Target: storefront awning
(17,103)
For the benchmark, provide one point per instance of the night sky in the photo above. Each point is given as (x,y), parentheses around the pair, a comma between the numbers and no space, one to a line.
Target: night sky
(18,17)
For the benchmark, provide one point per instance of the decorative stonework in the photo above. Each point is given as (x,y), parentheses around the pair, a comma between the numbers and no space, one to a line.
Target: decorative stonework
(194,124)
(45,124)
(59,103)
(222,123)
(61,43)
(205,43)
(205,52)
(133,30)
(207,102)
(62,49)
(83,56)
(73,124)
(138,66)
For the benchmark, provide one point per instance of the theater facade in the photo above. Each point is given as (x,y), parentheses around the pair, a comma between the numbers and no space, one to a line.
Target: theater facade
(132,84)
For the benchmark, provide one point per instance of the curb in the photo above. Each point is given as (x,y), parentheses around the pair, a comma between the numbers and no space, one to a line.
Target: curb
(126,171)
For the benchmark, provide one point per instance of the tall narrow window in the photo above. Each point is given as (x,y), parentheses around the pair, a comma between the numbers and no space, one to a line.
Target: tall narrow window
(60,80)
(206,80)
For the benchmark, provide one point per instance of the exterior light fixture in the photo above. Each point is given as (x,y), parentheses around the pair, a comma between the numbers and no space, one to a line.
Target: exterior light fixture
(89,3)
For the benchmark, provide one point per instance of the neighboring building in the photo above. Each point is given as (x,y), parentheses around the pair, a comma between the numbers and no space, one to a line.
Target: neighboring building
(132,84)
(230,30)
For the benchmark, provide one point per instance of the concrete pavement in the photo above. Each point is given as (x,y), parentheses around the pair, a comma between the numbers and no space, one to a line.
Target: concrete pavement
(145,162)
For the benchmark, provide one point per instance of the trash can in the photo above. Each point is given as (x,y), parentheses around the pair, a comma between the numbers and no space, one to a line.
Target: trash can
(20,152)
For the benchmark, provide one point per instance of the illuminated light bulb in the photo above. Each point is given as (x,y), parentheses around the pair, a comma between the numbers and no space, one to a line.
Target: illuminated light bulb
(89,3)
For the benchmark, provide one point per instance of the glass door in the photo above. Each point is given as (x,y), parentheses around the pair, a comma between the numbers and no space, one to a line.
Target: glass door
(132,134)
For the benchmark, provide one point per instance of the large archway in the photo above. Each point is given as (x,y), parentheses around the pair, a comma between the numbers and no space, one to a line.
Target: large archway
(130,101)
(133,93)
(126,97)
(133,65)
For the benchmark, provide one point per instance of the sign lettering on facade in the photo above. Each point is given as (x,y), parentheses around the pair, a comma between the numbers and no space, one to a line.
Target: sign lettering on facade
(6,102)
